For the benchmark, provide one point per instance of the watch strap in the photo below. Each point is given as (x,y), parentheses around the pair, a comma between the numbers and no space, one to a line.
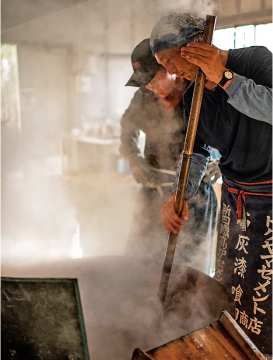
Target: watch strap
(224,79)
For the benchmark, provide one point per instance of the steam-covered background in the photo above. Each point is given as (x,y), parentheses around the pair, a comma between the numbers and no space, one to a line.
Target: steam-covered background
(65,189)
(63,94)
(64,193)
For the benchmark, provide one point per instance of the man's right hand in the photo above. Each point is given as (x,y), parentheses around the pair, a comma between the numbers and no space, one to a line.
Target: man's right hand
(170,219)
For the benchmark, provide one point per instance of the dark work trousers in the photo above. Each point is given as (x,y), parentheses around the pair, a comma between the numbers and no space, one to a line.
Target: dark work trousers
(244,256)
(148,238)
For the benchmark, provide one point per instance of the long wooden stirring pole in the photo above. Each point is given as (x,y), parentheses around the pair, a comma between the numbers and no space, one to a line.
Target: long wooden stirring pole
(186,160)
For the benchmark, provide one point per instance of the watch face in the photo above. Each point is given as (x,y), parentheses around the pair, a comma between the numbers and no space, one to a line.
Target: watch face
(228,75)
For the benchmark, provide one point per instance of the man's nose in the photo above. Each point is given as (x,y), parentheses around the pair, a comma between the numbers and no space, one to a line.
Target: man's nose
(152,87)
(170,68)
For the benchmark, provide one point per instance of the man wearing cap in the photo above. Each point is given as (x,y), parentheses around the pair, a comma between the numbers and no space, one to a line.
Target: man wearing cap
(157,110)
(235,118)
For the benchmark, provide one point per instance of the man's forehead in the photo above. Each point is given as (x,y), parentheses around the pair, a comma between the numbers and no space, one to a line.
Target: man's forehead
(163,54)
(166,53)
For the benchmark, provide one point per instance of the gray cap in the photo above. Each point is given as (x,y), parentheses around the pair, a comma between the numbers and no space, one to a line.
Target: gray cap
(175,30)
(144,65)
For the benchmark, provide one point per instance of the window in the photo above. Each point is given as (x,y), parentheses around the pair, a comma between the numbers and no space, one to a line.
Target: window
(264,36)
(9,86)
(243,36)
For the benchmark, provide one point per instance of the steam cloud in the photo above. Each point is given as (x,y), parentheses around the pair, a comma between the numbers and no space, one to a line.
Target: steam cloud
(73,64)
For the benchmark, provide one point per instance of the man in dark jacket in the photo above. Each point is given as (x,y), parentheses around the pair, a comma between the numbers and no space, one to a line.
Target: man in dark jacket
(157,110)
(235,118)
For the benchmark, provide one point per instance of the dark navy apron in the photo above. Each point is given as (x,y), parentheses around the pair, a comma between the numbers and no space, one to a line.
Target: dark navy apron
(244,256)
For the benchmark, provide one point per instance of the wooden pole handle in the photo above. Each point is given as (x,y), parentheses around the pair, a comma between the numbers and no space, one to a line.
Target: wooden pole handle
(193,122)
(186,161)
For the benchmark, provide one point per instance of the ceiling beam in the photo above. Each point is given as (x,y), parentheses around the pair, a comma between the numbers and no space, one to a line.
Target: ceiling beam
(69,8)
(251,18)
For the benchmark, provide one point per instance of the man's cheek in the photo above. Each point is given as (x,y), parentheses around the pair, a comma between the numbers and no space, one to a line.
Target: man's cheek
(179,64)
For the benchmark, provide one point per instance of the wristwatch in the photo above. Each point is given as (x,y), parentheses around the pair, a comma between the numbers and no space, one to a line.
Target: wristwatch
(228,75)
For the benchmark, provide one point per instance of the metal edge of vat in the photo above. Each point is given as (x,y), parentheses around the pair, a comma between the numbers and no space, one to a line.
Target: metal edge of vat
(239,336)
(229,298)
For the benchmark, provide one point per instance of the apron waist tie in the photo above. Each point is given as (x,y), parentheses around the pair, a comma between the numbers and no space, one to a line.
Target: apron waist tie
(164,171)
(158,187)
(242,199)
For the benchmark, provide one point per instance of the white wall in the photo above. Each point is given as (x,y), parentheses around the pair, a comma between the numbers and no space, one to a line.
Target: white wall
(44,71)
(108,29)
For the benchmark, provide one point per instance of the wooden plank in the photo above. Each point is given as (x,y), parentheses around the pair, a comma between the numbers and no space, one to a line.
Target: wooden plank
(240,337)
